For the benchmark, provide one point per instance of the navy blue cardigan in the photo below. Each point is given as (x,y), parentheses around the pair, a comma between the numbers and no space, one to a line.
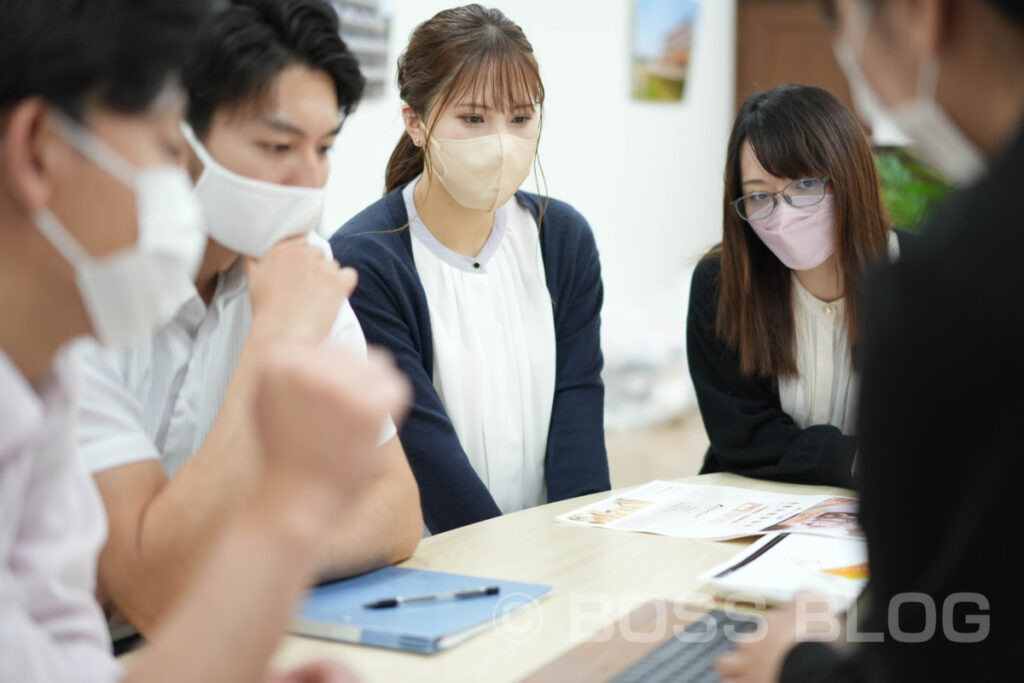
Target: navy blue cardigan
(392,308)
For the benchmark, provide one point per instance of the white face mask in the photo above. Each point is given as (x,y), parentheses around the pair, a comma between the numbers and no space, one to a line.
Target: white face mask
(482,173)
(134,290)
(933,133)
(248,215)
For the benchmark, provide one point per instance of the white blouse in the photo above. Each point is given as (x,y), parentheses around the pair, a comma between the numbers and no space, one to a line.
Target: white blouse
(494,349)
(825,388)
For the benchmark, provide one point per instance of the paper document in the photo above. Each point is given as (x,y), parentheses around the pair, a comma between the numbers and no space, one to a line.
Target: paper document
(780,565)
(717,513)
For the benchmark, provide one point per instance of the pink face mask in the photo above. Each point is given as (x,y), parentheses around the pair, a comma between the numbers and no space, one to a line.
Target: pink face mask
(801,238)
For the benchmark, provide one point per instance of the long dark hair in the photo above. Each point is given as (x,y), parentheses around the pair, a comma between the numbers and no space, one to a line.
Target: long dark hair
(795,132)
(456,52)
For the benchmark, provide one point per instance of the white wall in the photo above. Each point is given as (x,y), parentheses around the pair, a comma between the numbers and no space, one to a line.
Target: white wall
(646,175)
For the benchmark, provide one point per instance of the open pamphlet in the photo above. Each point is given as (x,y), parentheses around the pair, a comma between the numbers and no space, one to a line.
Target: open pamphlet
(778,566)
(718,513)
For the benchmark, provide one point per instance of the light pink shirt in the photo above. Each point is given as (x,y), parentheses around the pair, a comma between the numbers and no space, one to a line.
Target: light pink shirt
(52,527)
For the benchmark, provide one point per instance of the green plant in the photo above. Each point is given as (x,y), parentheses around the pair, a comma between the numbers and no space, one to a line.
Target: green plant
(910,190)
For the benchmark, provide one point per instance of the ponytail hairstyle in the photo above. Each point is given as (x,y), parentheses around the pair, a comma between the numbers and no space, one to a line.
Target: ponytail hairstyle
(457,52)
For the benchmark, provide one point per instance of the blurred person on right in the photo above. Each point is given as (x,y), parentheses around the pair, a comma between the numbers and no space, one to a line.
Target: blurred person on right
(940,405)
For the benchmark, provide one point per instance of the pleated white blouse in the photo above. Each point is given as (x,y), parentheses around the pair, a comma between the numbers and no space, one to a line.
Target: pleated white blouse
(494,349)
(825,390)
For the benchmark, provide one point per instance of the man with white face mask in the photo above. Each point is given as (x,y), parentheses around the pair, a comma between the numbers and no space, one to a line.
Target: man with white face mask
(166,427)
(99,235)
(941,403)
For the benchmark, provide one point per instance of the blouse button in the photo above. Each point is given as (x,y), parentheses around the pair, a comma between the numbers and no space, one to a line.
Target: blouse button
(828,310)
(476,265)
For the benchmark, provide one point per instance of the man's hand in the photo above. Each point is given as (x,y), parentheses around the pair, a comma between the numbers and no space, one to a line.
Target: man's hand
(296,291)
(319,411)
(759,658)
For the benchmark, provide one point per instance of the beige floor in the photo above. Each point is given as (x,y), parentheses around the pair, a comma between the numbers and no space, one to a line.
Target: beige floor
(664,452)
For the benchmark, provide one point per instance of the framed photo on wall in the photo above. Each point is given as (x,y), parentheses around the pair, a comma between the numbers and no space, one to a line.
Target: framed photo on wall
(663,34)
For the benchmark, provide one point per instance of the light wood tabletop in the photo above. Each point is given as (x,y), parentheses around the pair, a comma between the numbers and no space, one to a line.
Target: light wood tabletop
(597,576)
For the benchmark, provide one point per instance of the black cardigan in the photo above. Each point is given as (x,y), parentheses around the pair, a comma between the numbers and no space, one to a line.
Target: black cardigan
(941,464)
(750,433)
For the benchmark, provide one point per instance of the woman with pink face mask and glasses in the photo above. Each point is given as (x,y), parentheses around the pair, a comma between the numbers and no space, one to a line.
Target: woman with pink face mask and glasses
(775,309)
(489,297)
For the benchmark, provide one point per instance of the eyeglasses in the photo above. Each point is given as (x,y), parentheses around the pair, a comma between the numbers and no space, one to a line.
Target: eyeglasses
(799,193)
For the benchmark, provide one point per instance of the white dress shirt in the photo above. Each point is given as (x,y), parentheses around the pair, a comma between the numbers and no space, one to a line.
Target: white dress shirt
(824,392)
(52,527)
(158,398)
(494,349)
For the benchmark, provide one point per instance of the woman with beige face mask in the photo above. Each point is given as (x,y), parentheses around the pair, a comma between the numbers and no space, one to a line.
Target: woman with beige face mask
(489,297)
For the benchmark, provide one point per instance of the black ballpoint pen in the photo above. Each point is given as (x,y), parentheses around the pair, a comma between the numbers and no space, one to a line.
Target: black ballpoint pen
(448,595)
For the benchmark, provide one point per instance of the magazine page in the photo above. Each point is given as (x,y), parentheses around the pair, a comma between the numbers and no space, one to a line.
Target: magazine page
(835,516)
(717,512)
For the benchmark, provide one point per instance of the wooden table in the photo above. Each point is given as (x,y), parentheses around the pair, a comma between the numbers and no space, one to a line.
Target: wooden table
(597,576)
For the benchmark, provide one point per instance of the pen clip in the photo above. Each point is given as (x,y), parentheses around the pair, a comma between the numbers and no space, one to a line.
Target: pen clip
(476,592)
(387,602)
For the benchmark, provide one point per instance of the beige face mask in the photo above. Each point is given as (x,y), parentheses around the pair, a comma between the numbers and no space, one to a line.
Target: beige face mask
(482,173)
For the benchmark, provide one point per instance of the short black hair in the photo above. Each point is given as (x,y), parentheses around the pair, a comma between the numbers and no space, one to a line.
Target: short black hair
(250,42)
(117,53)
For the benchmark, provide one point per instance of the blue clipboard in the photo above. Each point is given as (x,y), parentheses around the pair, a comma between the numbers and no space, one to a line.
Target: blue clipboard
(336,611)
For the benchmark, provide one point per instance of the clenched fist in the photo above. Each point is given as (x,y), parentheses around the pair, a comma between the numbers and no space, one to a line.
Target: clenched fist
(319,410)
(296,291)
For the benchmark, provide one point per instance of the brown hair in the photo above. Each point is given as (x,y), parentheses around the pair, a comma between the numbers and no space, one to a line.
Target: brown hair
(795,132)
(454,53)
